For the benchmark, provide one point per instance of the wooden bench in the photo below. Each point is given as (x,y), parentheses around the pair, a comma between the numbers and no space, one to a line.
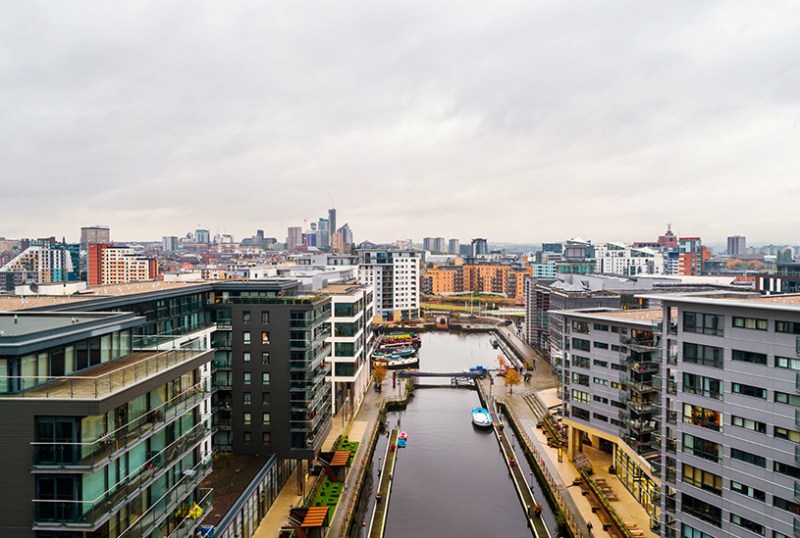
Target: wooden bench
(605,520)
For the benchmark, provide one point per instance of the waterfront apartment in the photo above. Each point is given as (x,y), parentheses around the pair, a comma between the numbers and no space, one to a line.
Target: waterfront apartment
(352,340)
(104,433)
(395,276)
(705,391)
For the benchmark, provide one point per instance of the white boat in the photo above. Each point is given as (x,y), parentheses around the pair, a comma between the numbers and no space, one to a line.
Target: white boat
(481,418)
(396,363)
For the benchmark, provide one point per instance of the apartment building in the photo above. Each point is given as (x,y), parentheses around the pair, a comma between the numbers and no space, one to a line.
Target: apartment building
(395,277)
(352,340)
(621,259)
(104,433)
(707,419)
(113,264)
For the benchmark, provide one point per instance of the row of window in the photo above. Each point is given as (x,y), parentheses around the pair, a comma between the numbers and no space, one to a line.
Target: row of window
(266,398)
(713,515)
(713,324)
(247,337)
(248,378)
(246,358)
(247,418)
(713,356)
(247,317)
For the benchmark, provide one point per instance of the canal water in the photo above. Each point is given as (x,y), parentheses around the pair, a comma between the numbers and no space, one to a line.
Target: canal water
(451,479)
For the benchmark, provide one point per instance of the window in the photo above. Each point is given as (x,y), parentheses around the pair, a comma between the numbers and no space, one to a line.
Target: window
(619,330)
(703,355)
(702,448)
(749,390)
(580,396)
(264,318)
(748,356)
(618,405)
(783,504)
(577,412)
(600,381)
(601,364)
(599,399)
(265,358)
(580,379)
(247,377)
(788,327)
(703,323)
(747,457)
(747,524)
(789,435)
(265,398)
(247,418)
(748,491)
(247,397)
(580,327)
(246,337)
(580,362)
(265,378)
(702,510)
(784,398)
(691,532)
(600,417)
(246,357)
(600,327)
(246,437)
(749,424)
(266,438)
(600,345)
(265,337)
(750,323)
(265,418)
(702,479)
(583,345)
(704,386)
(700,416)
(788,470)
(246,317)
(786,362)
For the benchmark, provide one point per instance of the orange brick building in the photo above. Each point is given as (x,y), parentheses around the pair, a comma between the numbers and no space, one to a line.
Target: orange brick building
(486,278)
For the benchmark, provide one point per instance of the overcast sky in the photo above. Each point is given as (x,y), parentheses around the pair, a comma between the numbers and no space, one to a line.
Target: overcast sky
(517,121)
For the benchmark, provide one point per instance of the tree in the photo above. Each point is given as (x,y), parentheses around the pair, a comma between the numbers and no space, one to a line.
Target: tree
(379,373)
(512,378)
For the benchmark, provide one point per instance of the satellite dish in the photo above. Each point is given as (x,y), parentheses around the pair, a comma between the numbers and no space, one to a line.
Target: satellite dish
(34,287)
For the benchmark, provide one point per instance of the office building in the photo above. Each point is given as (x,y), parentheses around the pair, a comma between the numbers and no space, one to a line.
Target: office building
(169,243)
(395,277)
(427,244)
(294,238)
(737,245)
(201,235)
(479,247)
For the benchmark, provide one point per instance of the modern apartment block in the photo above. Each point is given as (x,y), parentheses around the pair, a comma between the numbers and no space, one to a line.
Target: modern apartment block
(104,433)
(395,276)
(621,259)
(351,339)
(611,394)
(708,408)
(114,264)
(41,265)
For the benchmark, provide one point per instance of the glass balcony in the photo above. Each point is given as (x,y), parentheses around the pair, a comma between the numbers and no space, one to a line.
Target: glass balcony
(91,455)
(47,513)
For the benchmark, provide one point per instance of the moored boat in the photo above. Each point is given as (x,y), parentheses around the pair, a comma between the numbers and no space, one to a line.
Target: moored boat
(398,363)
(481,418)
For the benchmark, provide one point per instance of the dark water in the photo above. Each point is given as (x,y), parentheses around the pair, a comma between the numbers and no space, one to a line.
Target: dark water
(451,480)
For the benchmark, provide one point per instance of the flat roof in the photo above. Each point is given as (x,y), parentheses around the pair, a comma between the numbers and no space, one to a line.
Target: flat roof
(28,323)
(789,302)
(18,302)
(639,317)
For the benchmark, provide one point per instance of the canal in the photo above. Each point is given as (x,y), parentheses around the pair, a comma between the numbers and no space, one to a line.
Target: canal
(451,479)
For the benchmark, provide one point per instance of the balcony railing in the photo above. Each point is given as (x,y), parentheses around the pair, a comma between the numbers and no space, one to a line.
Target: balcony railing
(47,512)
(89,455)
(86,387)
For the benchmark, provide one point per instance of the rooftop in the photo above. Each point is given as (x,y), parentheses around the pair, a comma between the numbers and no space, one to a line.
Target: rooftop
(28,323)
(17,302)
(639,317)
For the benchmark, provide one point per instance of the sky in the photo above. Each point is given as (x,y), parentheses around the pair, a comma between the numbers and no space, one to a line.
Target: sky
(518,121)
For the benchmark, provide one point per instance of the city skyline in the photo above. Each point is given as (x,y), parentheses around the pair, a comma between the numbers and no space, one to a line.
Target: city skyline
(522,123)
